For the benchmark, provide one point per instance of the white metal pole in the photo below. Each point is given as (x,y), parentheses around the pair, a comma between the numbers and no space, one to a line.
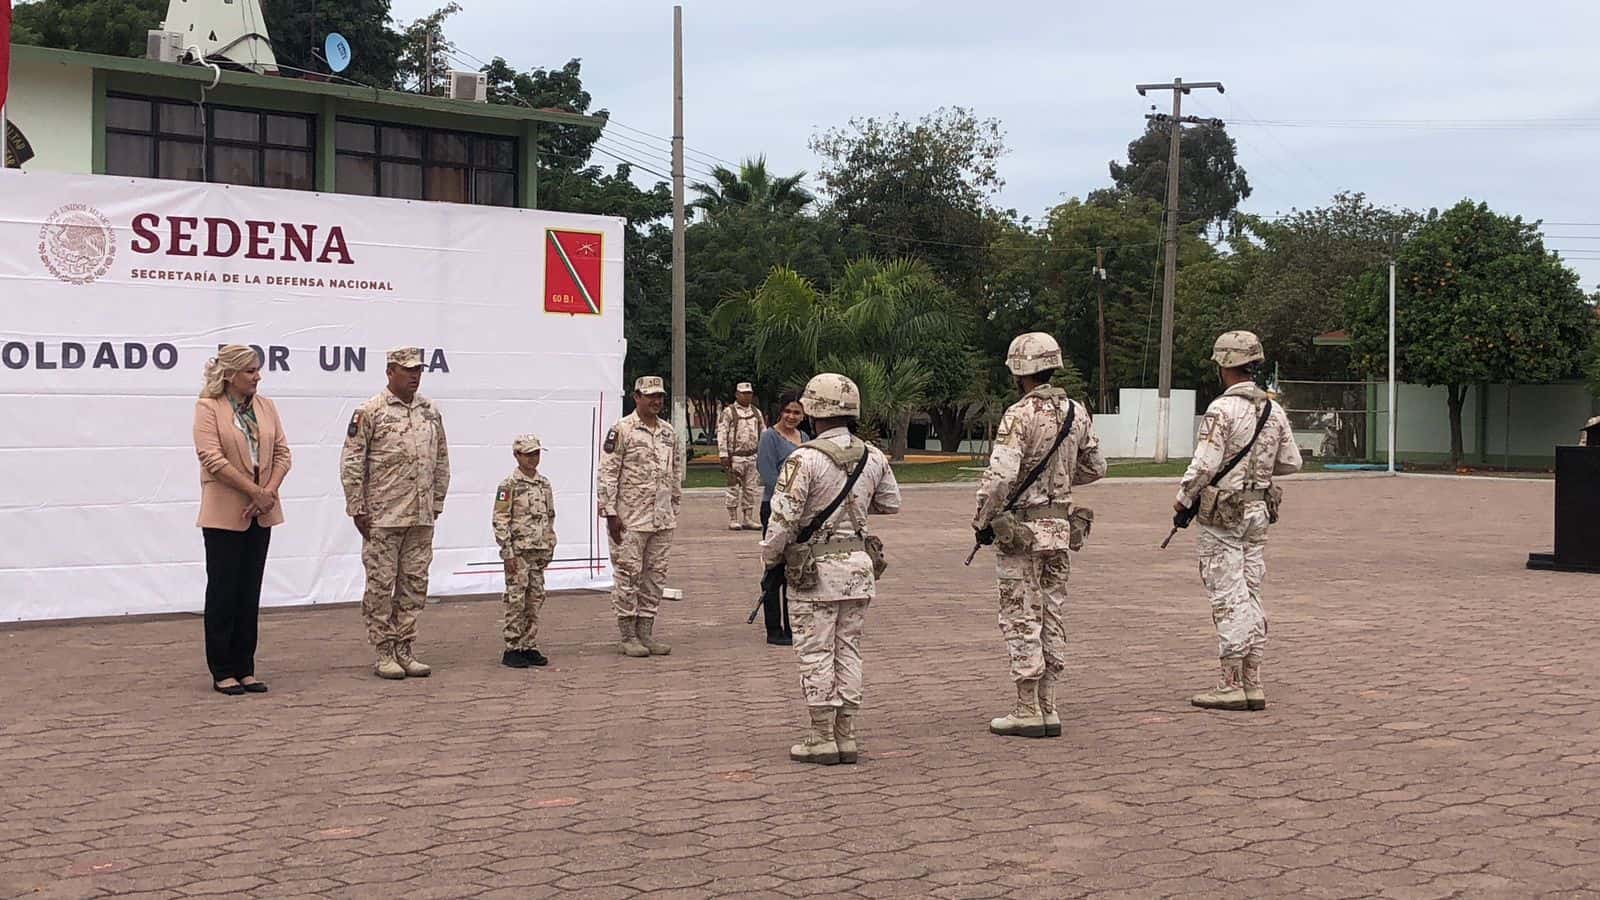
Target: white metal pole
(1391,369)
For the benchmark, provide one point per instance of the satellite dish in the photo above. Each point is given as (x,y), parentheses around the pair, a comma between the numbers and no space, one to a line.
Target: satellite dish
(337,51)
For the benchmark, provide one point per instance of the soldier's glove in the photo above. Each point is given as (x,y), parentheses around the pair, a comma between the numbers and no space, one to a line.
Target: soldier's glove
(984,536)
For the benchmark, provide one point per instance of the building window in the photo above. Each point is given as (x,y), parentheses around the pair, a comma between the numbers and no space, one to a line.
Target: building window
(149,138)
(424,164)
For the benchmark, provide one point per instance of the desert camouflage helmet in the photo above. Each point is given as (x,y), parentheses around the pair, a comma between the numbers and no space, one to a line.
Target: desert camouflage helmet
(1033,352)
(1237,348)
(829,395)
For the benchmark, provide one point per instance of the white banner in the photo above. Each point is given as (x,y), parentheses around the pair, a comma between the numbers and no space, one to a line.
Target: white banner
(115,292)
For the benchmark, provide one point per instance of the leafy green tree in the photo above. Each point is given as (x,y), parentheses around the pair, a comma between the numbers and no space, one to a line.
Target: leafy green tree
(112,27)
(425,53)
(919,189)
(298,30)
(873,326)
(1211,184)
(1479,300)
(752,185)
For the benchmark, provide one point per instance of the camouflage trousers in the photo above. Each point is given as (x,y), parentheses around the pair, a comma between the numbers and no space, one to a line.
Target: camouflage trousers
(743,497)
(1233,561)
(827,641)
(1033,600)
(524,595)
(396,560)
(639,563)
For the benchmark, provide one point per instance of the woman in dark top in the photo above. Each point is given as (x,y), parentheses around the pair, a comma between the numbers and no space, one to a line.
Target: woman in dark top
(776,444)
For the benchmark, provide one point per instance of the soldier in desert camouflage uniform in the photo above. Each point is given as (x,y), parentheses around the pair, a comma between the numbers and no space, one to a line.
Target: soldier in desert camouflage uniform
(1031,563)
(395,468)
(525,529)
(833,576)
(641,485)
(1233,529)
(739,430)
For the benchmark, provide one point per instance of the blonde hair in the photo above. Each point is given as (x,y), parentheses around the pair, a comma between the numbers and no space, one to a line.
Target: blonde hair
(228,362)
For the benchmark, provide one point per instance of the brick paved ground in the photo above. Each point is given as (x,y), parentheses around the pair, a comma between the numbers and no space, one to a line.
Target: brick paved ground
(1432,733)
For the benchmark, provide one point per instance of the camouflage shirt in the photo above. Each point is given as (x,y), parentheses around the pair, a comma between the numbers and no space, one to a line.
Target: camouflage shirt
(1229,423)
(641,475)
(395,466)
(739,430)
(807,483)
(524,515)
(1027,431)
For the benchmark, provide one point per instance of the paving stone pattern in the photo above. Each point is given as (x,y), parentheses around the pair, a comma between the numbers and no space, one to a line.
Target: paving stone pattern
(1431,732)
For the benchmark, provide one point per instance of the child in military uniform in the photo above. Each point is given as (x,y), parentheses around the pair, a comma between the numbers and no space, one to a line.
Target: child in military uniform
(525,529)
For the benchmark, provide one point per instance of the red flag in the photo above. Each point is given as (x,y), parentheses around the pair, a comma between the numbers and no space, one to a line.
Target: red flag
(572,263)
(5,49)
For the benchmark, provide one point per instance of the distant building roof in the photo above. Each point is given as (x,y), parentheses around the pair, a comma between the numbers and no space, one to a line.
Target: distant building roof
(1340,338)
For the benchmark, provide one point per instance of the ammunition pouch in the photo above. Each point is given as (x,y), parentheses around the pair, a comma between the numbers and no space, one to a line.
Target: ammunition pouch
(874,547)
(800,566)
(1225,509)
(1011,535)
(1274,503)
(1081,520)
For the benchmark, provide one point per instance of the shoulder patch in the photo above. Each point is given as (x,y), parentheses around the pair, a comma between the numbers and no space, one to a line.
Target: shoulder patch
(355,424)
(610,446)
(502,498)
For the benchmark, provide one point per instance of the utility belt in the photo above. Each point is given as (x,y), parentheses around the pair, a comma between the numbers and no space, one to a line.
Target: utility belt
(800,560)
(1012,537)
(1225,509)
(1048,511)
(742,453)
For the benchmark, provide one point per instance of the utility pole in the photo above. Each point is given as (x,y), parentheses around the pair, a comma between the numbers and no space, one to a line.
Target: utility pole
(1100,308)
(1169,282)
(680,412)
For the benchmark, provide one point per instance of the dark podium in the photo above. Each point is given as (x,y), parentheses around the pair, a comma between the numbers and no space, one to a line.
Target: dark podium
(1577,510)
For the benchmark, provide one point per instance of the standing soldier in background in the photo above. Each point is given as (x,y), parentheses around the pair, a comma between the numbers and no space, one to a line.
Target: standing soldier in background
(641,485)
(818,533)
(1034,524)
(739,430)
(524,523)
(1243,442)
(395,469)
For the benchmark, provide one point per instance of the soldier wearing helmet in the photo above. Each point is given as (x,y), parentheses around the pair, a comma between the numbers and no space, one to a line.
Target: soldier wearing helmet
(832,574)
(1234,513)
(1034,531)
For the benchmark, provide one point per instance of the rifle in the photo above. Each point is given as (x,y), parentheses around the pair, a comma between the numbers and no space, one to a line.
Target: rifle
(985,535)
(773,577)
(1183,518)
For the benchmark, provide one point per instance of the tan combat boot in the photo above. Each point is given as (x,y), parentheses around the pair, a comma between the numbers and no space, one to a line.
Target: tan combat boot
(1025,720)
(1047,705)
(844,732)
(413,668)
(387,666)
(630,645)
(654,647)
(820,745)
(1229,693)
(1255,694)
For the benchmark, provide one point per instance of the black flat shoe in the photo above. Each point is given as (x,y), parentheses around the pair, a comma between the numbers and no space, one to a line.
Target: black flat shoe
(534,657)
(514,659)
(255,687)
(780,640)
(232,690)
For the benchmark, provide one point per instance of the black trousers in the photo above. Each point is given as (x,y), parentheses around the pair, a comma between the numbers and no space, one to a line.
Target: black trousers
(235,561)
(774,604)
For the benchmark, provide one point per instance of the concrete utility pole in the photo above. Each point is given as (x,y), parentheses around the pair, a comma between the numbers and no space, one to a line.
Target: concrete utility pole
(680,411)
(1164,384)
(1100,308)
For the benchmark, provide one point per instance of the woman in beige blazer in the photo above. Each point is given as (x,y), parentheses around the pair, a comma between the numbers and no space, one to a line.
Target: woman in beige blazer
(244,457)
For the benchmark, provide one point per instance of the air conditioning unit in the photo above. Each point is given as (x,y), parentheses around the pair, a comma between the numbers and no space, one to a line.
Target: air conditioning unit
(163,46)
(473,86)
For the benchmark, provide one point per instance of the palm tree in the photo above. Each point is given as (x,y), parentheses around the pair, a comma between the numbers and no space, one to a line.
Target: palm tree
(870,326)
(753,186)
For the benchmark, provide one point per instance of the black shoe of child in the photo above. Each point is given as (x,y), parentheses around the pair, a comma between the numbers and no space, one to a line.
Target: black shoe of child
(514,659)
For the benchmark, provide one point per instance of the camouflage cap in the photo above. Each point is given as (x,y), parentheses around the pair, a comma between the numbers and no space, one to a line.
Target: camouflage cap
(649,384)
(743,387)
(1237,348)
(830,395)
(1032,353)
(406,357)
(526,443)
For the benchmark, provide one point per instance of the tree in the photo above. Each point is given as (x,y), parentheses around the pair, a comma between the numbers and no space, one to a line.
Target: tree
(1211,185)
(919,189)
(425,53)
(1479,300)
(752,185)
(298,30)
(112,27)
(873,326)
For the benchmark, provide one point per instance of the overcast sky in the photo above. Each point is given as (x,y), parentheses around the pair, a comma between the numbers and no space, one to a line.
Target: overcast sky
(762,77)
